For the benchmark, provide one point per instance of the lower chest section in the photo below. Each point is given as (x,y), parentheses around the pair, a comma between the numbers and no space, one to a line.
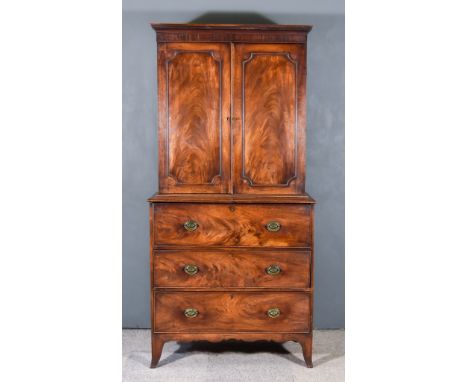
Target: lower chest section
(231,268)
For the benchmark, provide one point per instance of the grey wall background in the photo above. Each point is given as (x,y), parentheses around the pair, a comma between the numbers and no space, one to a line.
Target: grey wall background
(325,143)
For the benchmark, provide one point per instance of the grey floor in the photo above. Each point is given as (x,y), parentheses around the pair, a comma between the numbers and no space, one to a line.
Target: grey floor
(233,361)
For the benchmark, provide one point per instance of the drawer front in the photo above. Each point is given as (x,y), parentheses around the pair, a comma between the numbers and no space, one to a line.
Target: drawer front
(232,225)
(232,312)
(290,269)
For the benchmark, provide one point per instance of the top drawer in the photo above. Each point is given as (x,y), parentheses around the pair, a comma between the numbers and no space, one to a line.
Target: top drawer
(245,225)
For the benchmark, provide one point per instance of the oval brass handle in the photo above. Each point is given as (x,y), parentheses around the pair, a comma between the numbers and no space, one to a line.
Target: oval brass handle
(191,269)
(273,226)
(191,312)
(273,312)
(190,225)
(273,270)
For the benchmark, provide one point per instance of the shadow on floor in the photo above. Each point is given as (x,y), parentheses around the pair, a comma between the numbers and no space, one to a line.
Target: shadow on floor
(187,349)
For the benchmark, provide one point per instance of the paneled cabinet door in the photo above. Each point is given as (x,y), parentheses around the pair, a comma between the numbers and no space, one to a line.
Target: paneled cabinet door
(269,118)
(194,127)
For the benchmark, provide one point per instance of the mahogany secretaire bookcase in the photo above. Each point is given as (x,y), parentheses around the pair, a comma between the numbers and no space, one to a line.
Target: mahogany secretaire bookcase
(231,226)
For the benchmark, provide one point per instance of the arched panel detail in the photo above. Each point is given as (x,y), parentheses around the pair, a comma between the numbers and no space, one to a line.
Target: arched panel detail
(194,117)
(269,119)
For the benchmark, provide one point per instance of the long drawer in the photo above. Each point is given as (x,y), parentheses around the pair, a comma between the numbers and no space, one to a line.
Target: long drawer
(232,312)
(263,225)
(228,268)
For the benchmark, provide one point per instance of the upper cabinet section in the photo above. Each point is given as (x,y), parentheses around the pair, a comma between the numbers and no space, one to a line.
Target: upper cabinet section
(231,108)
(194,106)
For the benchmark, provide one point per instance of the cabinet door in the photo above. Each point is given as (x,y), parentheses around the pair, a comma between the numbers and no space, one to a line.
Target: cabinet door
(269,118)
(194,105)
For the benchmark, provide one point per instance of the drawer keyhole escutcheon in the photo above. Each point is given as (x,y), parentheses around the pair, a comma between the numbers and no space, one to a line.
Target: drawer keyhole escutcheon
(273,270)
(273,312)
(191,269)
(273,226)
(190,225)
(191,312)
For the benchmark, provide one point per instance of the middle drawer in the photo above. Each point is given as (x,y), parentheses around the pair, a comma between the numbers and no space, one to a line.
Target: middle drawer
(211,269)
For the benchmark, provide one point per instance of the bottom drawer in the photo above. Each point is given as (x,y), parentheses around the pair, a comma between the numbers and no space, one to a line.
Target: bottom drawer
(232,312)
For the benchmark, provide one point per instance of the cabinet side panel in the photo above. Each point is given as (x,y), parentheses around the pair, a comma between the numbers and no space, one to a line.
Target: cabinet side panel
(151,263)
(162,115)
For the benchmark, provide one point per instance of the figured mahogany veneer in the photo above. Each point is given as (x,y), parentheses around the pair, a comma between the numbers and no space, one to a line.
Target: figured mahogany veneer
(269,138)
(194,108)
(225,225)
(231,227)
(235,311)
(232,268)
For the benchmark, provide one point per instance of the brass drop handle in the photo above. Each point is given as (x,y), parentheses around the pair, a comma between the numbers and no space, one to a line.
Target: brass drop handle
(190,225)
(273,270)
(191,269)
(273,226)
(273,312)
(191,312)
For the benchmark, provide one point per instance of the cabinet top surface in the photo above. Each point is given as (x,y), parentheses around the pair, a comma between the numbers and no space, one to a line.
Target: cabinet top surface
(246,27)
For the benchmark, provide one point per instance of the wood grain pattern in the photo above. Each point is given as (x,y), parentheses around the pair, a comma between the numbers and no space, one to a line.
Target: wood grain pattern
(232,269)
(236,311)
(194,86)
(268,137)
(194,81)
(228,225)
(231,158)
